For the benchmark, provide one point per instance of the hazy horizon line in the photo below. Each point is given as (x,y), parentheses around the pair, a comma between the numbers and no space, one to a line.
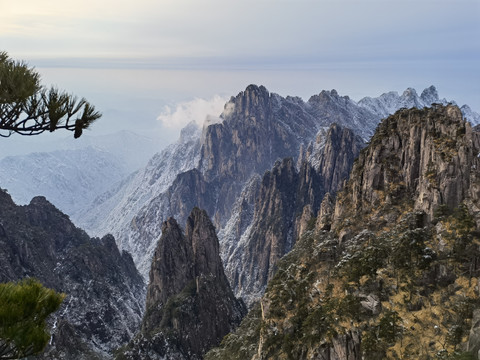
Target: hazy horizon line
(259,63)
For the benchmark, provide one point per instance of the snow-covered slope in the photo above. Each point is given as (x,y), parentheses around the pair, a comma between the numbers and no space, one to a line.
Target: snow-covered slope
(78,171)
(470,115)
(112,211)
(70,179)
(131,149)
(387,103)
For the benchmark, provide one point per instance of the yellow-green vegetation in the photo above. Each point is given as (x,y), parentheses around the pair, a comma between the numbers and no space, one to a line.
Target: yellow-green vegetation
(24,308)
(407,291)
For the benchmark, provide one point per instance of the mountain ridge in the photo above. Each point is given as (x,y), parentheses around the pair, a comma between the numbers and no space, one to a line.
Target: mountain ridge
(102,285)
(256,104)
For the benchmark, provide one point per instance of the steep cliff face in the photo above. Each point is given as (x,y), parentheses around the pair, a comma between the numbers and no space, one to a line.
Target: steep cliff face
(398,274)
(429,155)
(101,309)
(335,162)
(190,305)
(282,195)
(189,189)
(285,202)
(331,108)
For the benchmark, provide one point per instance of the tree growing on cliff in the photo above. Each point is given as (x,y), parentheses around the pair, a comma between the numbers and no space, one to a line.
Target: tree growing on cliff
(28,108)
(24,308)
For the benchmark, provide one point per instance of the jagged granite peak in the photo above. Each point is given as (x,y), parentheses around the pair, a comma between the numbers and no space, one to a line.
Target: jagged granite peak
(341,147)
(101,310)
(172,266)
(252,101)
(201,232)
(325,214)
(430,95)
(189,189)
(258,128)
(304,222)
(190,305)
(470,115)
(329,107)
(430,154)
(388,103)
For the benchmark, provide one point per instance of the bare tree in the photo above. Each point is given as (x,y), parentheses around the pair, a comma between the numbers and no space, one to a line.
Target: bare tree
(28,108)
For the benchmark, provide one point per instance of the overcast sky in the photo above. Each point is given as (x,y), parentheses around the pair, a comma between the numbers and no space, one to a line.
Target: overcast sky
(144,60)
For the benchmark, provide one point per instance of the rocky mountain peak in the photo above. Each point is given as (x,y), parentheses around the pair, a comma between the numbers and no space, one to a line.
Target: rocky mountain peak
(172,266)
(430,95)
(190,305)
(415,152)
(410,93)
(251,102)
(326,95)
(101,284)
(201,232)
(341,148)
(41,211)
(470,115)
(191,130)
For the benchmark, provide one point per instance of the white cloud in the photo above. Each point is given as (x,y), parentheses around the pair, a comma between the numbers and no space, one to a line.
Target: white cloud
(198,110)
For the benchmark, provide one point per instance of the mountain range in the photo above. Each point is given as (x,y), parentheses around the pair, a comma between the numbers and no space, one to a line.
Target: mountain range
(74,174)
(306,198)
(395,272)
(229,158)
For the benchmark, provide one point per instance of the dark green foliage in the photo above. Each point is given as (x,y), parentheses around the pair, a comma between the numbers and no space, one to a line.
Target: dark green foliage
(28,108)
(173,307)
(465,240)
(311,224)
(441,213)
(243,343)
(379,337)
(410,251)
(364,256)
(24,308)
(388,328)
